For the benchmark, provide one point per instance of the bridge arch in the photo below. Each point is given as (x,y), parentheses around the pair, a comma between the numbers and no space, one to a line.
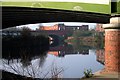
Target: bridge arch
(25,15)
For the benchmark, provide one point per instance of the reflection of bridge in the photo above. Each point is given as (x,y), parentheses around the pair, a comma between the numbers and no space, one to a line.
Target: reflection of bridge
(63,53)
(65,49)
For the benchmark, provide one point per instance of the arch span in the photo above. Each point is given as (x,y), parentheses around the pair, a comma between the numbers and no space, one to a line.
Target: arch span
(14,16)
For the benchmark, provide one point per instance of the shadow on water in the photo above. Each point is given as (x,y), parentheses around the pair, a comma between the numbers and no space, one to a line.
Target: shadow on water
(25,49)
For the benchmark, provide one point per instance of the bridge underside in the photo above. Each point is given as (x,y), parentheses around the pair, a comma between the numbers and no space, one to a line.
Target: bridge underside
(14,16)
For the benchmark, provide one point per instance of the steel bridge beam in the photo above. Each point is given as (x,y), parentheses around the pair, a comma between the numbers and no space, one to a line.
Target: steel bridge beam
(14,16)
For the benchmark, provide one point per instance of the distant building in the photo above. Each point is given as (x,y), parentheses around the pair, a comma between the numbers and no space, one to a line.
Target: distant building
(64,27)
(54,27)
(99,28)
(82,27)
(11,31)
(71,27)
(61,26)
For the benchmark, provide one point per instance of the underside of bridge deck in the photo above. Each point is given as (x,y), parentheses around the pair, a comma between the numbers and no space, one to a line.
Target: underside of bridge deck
(14,16)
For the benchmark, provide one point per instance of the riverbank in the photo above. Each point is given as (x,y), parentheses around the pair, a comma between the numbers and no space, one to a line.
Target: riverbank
(102,75)
(10,76)
(97,76)
(86,41)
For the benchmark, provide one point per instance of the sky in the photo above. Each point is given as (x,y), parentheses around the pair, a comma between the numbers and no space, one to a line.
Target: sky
(34,26)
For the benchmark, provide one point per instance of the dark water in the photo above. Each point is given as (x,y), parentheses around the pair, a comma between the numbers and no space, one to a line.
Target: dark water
(33,56)
(64,59)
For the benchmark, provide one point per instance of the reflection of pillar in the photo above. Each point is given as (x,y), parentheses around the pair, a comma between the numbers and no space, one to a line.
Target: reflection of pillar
(112,45)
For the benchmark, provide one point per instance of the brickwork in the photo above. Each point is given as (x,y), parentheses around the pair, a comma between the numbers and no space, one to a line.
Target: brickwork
(54,27)
(112,50)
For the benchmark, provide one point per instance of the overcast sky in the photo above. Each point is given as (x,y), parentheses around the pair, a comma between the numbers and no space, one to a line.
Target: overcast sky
(34,26)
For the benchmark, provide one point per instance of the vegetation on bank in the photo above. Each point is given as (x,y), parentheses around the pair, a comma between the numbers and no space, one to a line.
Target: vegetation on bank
(25,43)
(91,38)
(88,73)
(26,47)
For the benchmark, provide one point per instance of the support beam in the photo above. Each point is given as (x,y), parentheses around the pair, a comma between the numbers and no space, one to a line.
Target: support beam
(14,16)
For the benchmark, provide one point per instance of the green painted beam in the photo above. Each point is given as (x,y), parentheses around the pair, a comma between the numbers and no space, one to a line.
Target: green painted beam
(74,6)
(106,7)
(118,7)
(115,7)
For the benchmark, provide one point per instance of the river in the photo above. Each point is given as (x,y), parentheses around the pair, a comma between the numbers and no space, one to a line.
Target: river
(63,61)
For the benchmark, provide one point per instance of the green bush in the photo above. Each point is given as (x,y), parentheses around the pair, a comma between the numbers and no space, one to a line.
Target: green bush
(88,73)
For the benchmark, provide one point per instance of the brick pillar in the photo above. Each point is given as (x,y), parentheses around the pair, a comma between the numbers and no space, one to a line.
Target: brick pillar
(112,45)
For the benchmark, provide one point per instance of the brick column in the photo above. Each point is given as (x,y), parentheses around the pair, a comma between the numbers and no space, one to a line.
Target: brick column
(112,45)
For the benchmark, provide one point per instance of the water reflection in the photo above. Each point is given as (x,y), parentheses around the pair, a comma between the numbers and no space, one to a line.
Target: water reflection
(76,60)
(67,49)
(70,62)
(62,59)
(24,48)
